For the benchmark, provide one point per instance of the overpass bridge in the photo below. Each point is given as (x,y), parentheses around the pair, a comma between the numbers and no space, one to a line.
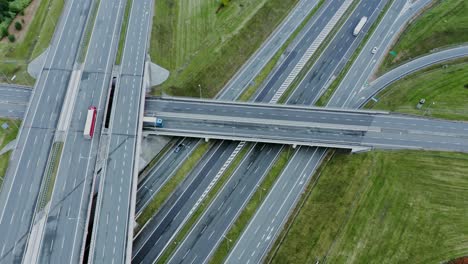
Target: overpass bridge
(307,126)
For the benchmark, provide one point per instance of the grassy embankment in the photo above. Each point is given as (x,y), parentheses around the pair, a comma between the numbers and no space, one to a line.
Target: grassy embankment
(445,89)
(389,207)
(5,137)
(444,24)
(201,47)
(16,56)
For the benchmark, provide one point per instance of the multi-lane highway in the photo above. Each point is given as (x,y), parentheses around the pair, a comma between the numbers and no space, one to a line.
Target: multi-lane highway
(14,99)
(115,207)
(155,237)
(65,233)
(222,228)
(366,62)
(22,183)
(306,126)
(207,232)
(265,236)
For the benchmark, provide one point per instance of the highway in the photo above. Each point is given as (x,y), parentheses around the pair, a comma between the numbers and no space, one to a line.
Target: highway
(307,126)
(336,54)
(253,66)
(366,63)
(209,229)
(18,97)
(149,245)
(113,224)
(265,236)
(310,36)
(162,172)
(221,230)
(23,179)
(267,221)
(257,61)
(65,233)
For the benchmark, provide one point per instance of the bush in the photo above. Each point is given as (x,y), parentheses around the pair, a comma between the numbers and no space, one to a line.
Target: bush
(3,32)
(11,38)
(18,25)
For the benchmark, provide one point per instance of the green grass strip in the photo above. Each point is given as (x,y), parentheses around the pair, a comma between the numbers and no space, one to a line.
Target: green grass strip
(331,90)
(247,94)
(208,199)
(249,210)
(172,184)
(123,33)
(443,24)
(51,174)
(310,63)
(4,159)
(88,32)
(51,17)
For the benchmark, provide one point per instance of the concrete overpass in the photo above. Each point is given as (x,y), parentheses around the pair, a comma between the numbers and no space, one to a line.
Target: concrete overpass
(307,126)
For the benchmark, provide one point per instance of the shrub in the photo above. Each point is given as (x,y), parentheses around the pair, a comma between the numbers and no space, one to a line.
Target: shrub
(11,38)
(18,25)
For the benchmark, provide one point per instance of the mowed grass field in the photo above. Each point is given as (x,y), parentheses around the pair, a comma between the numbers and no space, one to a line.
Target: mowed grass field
(389,206)
(383,207)
(444,88)
(446,23)
(15,57)
(201,46)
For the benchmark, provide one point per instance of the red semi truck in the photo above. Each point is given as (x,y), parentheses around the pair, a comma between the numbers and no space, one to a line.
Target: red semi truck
(90,122)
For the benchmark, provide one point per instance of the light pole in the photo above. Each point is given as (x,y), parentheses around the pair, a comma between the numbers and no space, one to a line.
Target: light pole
(199,88)
(228,241)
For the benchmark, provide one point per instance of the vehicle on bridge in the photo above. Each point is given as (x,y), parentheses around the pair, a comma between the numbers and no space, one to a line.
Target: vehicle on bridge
(150,121)
(359,26)
(90,122)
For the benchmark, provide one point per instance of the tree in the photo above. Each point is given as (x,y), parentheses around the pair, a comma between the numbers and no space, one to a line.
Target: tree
(18,25)
(11,38)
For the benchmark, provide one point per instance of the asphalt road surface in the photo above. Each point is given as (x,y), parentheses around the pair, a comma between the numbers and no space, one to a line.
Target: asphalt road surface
(64,234)
(113,226)
(264,237)
(22,183)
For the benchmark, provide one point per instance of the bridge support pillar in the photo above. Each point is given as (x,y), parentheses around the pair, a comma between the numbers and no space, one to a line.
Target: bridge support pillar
(207,139)
(294,146)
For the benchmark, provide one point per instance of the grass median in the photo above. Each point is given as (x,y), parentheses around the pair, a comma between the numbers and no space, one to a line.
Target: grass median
(204,204)
(444,24)
(170,185)
(6,136)
(123,32)
(203,47)
(255,201)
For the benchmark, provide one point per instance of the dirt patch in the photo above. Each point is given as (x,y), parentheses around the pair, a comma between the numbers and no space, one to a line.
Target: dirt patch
(25,20)
(462,260)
